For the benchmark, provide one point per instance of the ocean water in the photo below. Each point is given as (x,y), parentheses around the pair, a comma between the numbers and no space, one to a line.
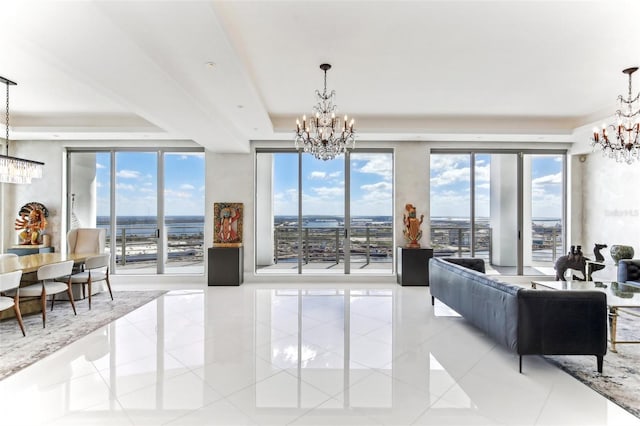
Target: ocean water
(147,225)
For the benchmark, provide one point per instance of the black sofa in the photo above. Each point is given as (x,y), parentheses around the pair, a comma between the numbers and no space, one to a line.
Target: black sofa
(526,321)
(629,272)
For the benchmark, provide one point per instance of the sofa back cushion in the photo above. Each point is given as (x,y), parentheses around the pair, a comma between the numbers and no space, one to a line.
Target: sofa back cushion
(628,270)
(468,262)
(490,304)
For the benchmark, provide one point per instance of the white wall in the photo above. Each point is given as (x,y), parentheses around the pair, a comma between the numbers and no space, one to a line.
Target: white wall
(411,169)
(47,190)
(229,178)
(610,203)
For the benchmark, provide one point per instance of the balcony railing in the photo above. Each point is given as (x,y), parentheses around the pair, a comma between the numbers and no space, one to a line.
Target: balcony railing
(140,244)
(456,241)
(368,244)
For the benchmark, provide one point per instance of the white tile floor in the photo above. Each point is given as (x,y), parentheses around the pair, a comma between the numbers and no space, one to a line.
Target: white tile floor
(296,354)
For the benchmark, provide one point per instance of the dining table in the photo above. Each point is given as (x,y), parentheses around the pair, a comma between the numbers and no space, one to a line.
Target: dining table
(32,262)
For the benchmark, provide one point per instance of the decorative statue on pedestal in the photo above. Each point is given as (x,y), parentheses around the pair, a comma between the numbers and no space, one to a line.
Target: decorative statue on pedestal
(412,230)
(32,222)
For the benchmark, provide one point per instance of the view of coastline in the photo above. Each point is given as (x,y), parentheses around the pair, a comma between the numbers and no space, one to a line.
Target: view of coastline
(371,238)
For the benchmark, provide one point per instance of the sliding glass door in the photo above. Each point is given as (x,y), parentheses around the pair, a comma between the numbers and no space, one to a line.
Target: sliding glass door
(371,212)
(504,207)
(136,212)
(150,202)
(324,217)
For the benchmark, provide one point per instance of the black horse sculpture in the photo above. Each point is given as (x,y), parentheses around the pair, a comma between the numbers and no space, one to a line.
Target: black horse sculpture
(599,258)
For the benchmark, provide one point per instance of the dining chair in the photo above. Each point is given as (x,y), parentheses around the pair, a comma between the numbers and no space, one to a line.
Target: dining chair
(47,275)
(7,256)
(86,240)
(96,269)
(11,281)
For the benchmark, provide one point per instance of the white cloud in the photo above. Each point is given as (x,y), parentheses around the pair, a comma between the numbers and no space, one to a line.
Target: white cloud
(450,176)
(554,179)
(100,166)
(455,174)
(128,174)
(201,189)
(147,190)
(380,186)
(125,187)
(317,175)
(448,161)
(187,187)
(483,173)
(328,192)
(450,204)
(378,164)
(286,202)
(335,175)
(170,193)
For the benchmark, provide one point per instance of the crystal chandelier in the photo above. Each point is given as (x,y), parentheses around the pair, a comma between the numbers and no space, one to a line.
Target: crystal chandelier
(13,169)
(621,142)
(325,136)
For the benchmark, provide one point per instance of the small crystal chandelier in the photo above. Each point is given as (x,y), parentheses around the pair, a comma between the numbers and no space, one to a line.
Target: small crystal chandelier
(13,169)
(325,136)
(625,147)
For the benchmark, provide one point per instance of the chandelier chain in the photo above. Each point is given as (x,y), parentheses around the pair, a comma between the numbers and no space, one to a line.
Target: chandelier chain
(14,169)
(7,122)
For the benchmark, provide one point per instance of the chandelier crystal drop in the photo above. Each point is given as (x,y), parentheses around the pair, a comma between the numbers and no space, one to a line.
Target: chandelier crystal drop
(324,135)
(13,169)
(620,141)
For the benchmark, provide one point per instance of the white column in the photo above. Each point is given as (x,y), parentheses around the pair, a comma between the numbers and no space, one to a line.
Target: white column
(527,224)
(411,168)
(83,185)
(503,210)
(264,209)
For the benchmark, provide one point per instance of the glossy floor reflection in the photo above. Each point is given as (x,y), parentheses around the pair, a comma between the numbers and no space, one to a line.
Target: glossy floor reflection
(306,354)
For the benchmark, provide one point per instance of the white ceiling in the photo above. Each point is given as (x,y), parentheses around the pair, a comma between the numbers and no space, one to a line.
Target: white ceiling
(447,70)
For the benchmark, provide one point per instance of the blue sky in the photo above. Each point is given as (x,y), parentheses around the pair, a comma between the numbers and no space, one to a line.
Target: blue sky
(450,184)
(136,183)
(323,185)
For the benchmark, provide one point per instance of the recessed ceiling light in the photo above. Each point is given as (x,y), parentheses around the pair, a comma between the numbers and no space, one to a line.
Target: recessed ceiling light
(210,64)
(240,106)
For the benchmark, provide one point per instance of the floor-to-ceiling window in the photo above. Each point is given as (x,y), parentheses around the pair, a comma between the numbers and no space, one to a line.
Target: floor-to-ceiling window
(315,216)
(151,202)
(504,207)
